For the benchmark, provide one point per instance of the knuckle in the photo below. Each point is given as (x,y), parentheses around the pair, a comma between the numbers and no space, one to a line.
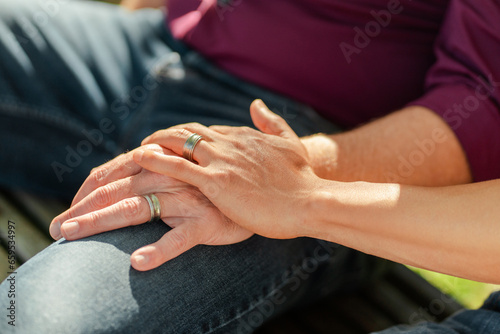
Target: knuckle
(130,208)
(98,174)
(123,169)
(93,221)
(69,214)
(179,240)
(103,196)
(182,133)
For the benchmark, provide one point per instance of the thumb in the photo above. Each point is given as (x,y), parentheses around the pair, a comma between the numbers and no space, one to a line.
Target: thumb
(268,122)
(175,242)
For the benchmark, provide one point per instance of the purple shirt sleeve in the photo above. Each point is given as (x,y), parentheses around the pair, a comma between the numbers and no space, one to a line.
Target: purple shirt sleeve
(463,86)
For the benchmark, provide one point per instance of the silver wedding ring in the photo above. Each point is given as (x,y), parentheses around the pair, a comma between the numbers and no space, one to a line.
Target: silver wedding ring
(154,206)
(189,145)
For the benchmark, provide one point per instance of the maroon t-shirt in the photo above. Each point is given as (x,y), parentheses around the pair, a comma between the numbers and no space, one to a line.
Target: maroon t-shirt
(357,60)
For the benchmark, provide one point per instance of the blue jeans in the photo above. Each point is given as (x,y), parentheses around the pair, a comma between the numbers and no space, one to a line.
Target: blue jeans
(485,320)
(81,82)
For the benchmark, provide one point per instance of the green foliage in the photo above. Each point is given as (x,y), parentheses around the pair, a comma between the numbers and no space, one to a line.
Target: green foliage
(471,294)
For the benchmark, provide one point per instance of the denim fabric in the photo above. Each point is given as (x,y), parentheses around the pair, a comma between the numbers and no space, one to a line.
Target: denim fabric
(81,82)
(485,320)
(88,286)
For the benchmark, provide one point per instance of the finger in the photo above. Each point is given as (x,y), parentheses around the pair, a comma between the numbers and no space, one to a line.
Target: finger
(268,122)
(222,129)
(189,127)
(127,212)
(175,167)
(172,244)
(120,167)
(114,192)
(175,139)
(130,211)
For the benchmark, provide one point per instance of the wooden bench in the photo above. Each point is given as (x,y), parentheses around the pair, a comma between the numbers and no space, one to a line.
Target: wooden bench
(398,297)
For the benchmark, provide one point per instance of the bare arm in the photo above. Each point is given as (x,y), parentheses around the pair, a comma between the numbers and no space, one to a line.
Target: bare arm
(268,187)
(453,230)
(411,146)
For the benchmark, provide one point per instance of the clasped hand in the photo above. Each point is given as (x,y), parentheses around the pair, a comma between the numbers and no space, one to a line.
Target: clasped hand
(241,182)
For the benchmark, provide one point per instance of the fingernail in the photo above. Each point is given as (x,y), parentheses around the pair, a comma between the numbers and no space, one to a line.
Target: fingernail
(145,140)
(141,259)
(263,107)
(138,155)
(55,230)
(260,104)
(70,228)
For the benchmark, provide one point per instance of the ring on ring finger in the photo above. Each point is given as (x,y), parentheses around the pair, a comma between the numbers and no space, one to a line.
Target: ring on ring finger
(189,145)
(154,206)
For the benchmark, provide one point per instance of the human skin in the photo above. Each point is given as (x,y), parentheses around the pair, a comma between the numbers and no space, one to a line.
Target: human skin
(269,188)
(110,197)
(375,153)
(411,146)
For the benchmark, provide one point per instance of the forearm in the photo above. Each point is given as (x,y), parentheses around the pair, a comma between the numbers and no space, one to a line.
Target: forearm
(453,230)
(412,146)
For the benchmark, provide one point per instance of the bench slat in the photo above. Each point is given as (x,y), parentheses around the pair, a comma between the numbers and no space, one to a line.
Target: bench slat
(39,210)
(28,238)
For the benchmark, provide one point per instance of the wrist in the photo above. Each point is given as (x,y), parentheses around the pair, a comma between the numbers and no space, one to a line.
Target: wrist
(339,209)
(322,152)
(318,210)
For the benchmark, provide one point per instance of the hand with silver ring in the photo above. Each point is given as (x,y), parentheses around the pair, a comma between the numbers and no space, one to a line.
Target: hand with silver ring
(121,193)
(189,145)
(154,206)
(253,177)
